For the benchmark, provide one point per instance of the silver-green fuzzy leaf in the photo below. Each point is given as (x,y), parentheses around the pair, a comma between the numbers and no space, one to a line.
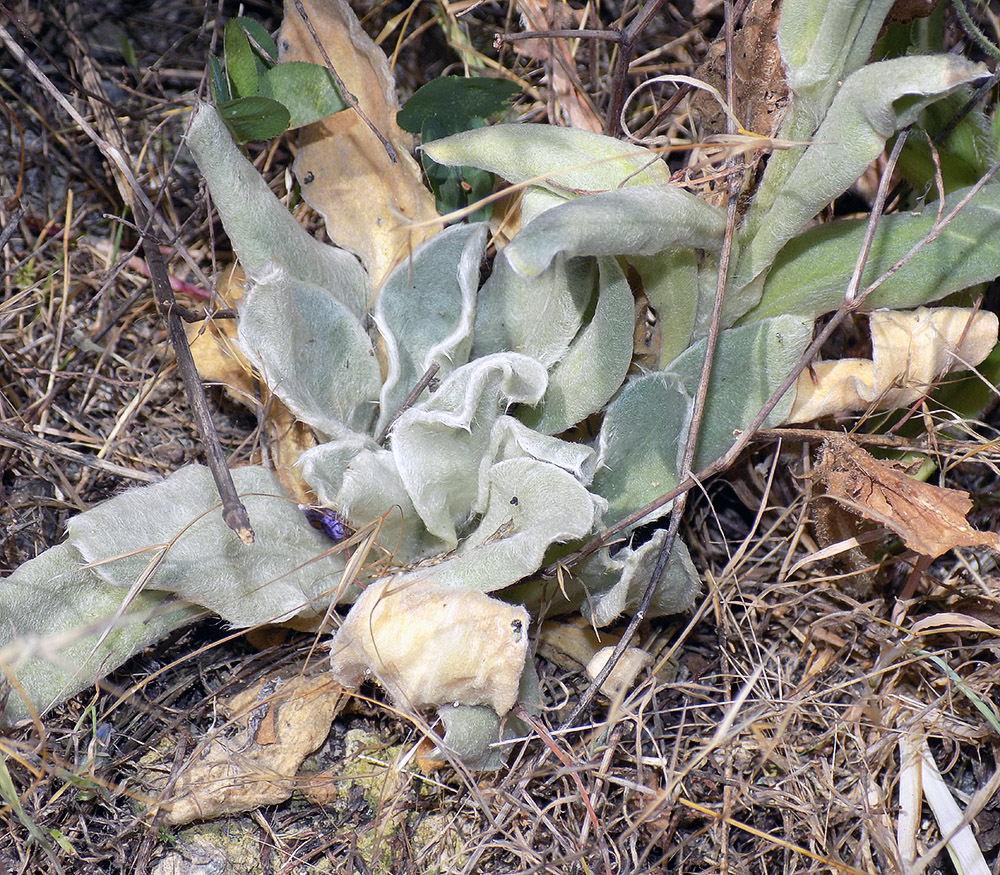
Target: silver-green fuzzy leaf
(260,227)
(425,311)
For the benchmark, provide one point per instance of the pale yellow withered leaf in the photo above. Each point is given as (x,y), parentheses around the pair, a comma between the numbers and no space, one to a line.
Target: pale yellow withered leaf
(430,644)
(911,349)
(370,203)
(930,519)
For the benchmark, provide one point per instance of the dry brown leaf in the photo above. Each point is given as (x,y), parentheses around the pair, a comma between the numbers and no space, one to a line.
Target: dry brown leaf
(368,202)
(911,349)
(278,724)
(930,519)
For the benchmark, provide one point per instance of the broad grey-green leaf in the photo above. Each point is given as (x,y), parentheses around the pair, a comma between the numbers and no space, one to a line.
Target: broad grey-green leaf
(311,351)
(259,226)
(531,506)
(539,315)
(425,311)
(870,106)
(54,613)
(565,158)
(640,443)
(811,273)
(512,439)
(627,221)
(616,584)
(821,43)
(750,363)
(670,283)
(363,485)
(642,438)
(470,733)
(597,361)
(285,572)
(438,444)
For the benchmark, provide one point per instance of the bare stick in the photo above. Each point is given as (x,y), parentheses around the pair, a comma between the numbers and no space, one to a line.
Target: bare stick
(349,98)
(408,401)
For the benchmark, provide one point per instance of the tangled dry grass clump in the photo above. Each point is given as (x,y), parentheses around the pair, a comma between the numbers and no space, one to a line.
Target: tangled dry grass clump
(775,727)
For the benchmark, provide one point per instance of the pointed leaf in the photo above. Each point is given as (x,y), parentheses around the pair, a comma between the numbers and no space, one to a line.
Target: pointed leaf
(811,273)
(870,106)
(425,311)
(567,158)
(259,225)
(241,65)
(627,221)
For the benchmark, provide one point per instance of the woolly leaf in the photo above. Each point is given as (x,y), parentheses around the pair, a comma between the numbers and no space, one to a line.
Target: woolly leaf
(425,311)
(311,351)
(282,574)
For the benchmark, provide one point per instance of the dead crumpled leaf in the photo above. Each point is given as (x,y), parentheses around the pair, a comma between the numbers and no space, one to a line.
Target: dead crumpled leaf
(219,361)
(930,519)
(277,723)
(430,644)
(911,349)
(368,202)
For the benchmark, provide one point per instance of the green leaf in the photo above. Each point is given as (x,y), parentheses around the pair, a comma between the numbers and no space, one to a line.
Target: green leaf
(870,106)
(55,611)
(312,352)
(641,443)
(670,283)
(218,83)
(287,571)
(268,49)
(439,444)
(811,273)
(595,364)
(615,585)
(628,221)
(455,102)
(530,506)
(241,62)
(260,227)
(570,161)
(538,316)
(822,43)
(306,90)
(254,118)
(425,311)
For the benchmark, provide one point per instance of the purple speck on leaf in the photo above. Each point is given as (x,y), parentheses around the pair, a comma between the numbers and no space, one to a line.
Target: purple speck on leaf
(325,520)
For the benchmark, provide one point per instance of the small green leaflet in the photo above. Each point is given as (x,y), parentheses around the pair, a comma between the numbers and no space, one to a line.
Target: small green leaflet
(254,118)
(449,105)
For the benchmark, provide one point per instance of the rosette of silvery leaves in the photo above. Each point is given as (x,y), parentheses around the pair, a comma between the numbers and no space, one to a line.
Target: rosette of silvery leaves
(473,488)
